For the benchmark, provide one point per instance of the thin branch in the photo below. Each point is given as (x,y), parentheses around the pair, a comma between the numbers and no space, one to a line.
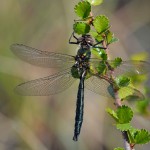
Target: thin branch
(118,103)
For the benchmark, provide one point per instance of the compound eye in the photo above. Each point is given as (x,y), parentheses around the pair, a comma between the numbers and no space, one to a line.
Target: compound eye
(89,40)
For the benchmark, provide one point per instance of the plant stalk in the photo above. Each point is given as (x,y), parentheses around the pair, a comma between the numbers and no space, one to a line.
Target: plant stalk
(118,103)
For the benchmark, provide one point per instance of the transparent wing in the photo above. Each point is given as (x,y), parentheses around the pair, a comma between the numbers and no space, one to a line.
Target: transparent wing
(102,87)
(131,93)
(99,86)
(126,67)
(42,58)
(132,67)
(46,86)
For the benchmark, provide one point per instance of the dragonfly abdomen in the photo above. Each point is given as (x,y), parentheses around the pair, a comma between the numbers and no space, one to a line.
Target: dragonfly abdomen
(79,110)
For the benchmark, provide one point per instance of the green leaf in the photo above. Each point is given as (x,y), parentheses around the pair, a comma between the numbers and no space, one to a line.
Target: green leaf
(142,137)
(119,148)
(124,114)
(124,92)
(101,68)
(83,9)
(113,40)
(103,54)
(93,33)
(96,52)
(112,113)
(101,23)
(122,81)
(123,127)
(95,2)
(116,63)
(109,36)
(81,28)
(100,53)
(98,37)
(131,134)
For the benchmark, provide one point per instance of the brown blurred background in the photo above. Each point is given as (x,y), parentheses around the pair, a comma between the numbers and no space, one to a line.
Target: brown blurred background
(47,123)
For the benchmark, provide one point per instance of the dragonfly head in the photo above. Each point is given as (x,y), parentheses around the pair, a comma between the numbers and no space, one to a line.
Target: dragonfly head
(86,41)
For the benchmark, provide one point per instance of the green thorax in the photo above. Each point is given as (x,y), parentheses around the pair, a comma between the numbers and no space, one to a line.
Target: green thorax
(81,62)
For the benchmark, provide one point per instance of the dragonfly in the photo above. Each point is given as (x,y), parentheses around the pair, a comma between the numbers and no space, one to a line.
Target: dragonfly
(73,68)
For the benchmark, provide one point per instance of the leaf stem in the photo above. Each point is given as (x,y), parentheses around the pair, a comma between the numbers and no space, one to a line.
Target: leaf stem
(118,103)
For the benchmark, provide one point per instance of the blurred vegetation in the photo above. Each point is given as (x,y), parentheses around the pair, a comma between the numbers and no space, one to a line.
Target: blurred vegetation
(48,122)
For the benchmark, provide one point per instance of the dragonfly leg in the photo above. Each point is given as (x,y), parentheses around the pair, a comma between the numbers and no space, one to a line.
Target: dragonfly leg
(98,43)
(100,47)
(72,35)
(95,45)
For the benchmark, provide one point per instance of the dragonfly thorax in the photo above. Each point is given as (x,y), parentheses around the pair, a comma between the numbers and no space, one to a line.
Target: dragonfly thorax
(81,66)
(83,56)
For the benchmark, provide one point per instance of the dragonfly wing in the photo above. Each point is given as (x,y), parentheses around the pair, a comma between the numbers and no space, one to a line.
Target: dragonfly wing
(126,67)
(52,84)
(42,58)
(131,93)
(104,88)
(99,86)
(132,68)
